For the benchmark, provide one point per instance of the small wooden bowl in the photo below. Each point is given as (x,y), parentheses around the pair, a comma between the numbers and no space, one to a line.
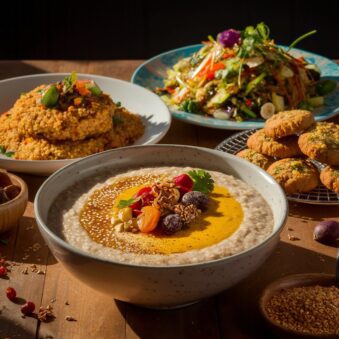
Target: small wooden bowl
(296,280)
(11,211)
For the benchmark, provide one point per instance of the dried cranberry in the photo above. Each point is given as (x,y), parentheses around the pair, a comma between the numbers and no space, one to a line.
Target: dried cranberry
(147,199)
(136,205)
(10,293)
(136,212)
(28,308)
(184,180)
(3,271)
(183,190)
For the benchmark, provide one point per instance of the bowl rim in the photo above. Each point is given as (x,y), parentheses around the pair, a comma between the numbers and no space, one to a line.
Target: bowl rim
(231,258)
(22,193)
(150,142)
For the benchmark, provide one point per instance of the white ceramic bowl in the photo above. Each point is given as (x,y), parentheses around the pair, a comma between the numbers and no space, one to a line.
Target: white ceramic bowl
(164,286)
(137,99)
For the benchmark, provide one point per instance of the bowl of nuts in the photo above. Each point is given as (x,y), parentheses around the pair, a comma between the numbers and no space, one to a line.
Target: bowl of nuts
(13,199)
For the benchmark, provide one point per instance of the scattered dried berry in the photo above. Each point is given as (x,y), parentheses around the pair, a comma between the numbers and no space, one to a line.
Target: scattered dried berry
(199,199)
(10,293)
(327,232)
(171,223)
(28,308)
(3,271)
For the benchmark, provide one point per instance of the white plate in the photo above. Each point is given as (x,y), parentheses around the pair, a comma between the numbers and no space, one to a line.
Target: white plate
(148,105)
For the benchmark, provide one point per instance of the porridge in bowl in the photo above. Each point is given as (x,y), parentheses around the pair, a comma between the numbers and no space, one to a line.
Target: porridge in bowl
(166,216)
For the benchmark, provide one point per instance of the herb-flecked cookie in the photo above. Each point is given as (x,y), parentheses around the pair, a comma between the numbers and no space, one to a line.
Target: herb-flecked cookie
(321,142)
(261,160)
(283,148)
(288,123)
(295,175)
(329,176)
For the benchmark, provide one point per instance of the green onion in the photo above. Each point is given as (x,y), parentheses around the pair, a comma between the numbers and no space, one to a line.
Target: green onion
(252,84)
(50,97)
(247,111)
(94,89)
(296,41)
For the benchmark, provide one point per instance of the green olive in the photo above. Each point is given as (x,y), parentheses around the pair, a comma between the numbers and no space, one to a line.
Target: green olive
(325,86)
(50,96)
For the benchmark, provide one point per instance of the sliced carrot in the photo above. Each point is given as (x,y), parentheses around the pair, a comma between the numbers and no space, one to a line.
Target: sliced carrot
(148,219)
(81,86)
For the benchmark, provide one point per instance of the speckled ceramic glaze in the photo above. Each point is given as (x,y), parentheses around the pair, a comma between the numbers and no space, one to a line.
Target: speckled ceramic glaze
(161,286)
(152,73)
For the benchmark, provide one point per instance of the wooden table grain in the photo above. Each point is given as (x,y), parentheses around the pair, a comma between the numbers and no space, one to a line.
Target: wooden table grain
(231,314)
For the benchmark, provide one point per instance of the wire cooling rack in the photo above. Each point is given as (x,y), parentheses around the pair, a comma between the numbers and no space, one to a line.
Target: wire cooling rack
(320,195)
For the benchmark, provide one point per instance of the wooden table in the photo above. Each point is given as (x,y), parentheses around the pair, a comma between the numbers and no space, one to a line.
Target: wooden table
(231,314)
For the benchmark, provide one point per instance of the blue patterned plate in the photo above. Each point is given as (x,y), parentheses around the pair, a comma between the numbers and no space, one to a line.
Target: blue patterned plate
(152,73)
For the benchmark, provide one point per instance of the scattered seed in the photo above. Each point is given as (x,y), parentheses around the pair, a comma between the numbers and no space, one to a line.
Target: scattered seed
(292,237)
(69,318)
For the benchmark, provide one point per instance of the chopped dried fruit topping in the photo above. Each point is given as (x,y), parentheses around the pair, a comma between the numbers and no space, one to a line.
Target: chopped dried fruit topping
(148,219)
(184,180)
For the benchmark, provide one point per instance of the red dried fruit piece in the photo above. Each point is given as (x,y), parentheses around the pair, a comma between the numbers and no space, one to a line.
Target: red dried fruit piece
(28,308)
(136,205)
(147,199)
(143,191)
(183,190)
(3,271)
(10,293)
(184,180)
(136,212)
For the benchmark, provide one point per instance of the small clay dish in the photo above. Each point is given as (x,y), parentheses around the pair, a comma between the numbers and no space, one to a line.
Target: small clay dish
(12,210)
(296,280)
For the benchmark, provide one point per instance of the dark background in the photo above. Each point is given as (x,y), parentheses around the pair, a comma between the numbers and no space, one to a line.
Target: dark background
(142,28)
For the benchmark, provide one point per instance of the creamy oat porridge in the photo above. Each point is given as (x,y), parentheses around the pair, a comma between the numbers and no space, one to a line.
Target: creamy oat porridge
(165,216)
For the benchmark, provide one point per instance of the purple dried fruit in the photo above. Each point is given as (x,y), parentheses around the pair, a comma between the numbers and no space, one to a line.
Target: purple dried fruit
(171,223)
(199,199)
(326,232)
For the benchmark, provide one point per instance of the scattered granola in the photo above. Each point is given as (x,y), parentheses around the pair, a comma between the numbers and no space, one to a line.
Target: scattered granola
(45,314)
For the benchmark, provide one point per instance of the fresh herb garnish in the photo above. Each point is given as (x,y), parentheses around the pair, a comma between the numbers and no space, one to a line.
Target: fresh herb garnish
(126,203)
(69,81)
(203,181)
(2,149)
(9,154)
(118,103)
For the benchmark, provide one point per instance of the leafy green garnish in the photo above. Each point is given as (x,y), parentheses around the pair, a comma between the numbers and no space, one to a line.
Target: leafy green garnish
(94,89)
(118,103)
(126,203)
(190,106)
(69,81)
(202,180)
(9,154)
(2,149)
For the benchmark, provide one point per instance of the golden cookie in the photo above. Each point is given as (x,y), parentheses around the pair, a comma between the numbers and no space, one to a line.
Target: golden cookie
(256,158)
(321,142)
(288,123)
(295,175)
(283,148)
(329,176)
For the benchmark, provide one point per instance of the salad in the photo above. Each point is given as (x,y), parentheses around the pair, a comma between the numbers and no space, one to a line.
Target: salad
(243,75)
